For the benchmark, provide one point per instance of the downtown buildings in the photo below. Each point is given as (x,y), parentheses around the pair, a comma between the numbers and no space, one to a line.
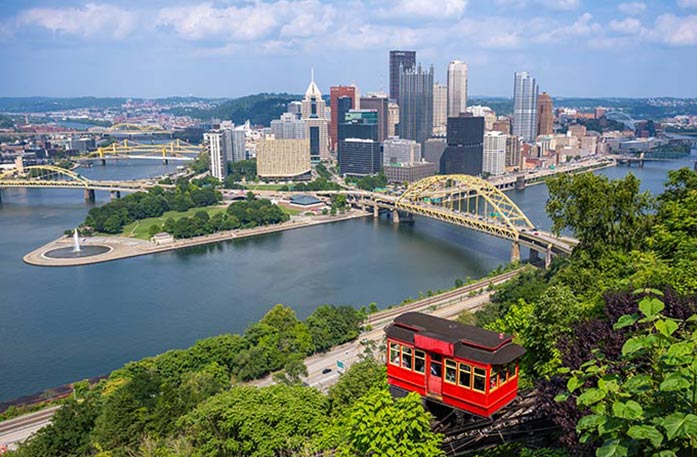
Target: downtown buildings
(524,106)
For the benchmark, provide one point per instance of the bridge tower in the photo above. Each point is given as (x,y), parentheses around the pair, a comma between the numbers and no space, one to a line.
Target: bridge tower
(89,195)
(515,252)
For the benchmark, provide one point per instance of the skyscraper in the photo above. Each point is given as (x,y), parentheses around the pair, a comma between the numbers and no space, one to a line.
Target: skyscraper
(416,104)
(336,92)
(403,59)
(359,149)
(313,113)
(464,153)
(440,109)
(545,115)
(378,103)
(457,88)
(524,106)
(215,142)
(494,157)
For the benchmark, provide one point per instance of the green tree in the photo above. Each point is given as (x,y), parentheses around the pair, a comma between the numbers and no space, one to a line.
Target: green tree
(360,378)
(646,402)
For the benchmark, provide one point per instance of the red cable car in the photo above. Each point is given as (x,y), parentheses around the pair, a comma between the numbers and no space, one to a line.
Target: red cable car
(461,366)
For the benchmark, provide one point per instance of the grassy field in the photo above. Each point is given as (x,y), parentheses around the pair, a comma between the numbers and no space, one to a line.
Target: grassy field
(290,211)
(141,229)
(263,186)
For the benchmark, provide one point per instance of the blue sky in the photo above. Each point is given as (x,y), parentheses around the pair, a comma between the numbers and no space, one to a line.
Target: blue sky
(154,48)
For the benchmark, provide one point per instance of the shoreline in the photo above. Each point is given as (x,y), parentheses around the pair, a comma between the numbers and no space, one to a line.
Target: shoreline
(124,247)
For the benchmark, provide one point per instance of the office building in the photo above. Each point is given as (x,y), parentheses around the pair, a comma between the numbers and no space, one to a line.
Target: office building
(379,103)
(483,111)
(288,127)
(214,142)
(408,172)
(416,104)
(313,105)
(392,118)
(502,124)
(283,159)
(296,109)
(465,138)
(494,158)
(399,150)
(317,128)
(359,156)
(457,88)
(238,137)
(524,106)
(433,149)
(399,60)
(440,109)
(545,115)
(513,151)
(348,94)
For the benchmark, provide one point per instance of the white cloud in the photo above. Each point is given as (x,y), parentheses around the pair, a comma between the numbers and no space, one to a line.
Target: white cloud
(687,3)
(675,30)
(432,9)
(627,26)
(632,8)
(562,5)
(91,20)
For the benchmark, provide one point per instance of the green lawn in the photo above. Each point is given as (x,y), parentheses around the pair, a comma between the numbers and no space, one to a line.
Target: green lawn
(141,229)
(263,186)
(290,211)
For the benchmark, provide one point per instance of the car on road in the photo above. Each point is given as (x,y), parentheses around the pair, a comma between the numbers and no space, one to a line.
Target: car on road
(326,370)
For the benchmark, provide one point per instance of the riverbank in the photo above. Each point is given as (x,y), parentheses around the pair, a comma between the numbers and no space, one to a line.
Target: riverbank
(124,247)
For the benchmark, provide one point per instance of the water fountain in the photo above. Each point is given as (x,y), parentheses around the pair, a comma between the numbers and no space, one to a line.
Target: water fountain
(76,242)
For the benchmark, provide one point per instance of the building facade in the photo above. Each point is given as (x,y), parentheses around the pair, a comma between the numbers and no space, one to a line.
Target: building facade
(524,106)
(440,109)
(545,114)
(399,60)
(408,172)
(464,153)
(400,151)
(288,127)
(483,111)
(513,151)
(494,159)
(433,149)
(416,104)
(378,103)
(317,125)
(348,95)
(359,156)
(283,159)
(215,141)
(392,118)
(457,88)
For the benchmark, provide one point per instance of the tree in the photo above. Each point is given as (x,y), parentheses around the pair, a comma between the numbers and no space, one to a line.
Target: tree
(360,378)
(647,400)
(381,425)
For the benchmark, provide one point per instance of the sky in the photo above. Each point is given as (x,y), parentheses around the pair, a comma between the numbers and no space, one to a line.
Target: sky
(158,48)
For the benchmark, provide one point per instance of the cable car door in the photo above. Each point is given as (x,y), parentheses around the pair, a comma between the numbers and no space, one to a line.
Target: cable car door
(434,384)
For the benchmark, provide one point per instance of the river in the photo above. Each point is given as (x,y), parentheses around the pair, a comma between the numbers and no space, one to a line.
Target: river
(58,325)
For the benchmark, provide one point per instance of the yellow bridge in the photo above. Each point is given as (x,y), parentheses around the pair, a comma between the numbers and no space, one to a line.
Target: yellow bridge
(49,176)
(129,149)
(469,202)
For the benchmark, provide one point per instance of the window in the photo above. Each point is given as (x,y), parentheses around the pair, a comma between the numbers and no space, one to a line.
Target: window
(503,375)
(419,361)
(479,383)
(450,371)
(465,376)
(394,354)
(406,357)
(436,369)
(493,380)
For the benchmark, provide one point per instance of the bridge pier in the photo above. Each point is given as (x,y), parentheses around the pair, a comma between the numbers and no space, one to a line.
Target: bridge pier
(520,183)
(548,256)
(395,216)
(103,162)
(165,162)
(534,256)
(115,194)
(376,212)
(641,163)
(89,195)
(515,252)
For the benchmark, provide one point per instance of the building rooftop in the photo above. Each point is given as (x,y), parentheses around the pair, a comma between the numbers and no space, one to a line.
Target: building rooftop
(304,200)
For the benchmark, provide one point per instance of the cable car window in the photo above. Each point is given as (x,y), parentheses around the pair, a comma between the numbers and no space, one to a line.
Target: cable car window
(394,354)
(503,375)
(406,357)
(493,380)
(450,371)
(436,369)
(479,379)
(437,357)
(419,361)
(465,376)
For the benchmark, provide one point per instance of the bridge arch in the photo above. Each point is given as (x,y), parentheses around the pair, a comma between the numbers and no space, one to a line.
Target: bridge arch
(485,207)
(626,118)
(37,173)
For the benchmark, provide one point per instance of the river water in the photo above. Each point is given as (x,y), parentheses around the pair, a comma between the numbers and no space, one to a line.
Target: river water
(58,325)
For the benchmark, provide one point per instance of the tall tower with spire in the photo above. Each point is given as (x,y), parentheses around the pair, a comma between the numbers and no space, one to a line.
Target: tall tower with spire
(314,114)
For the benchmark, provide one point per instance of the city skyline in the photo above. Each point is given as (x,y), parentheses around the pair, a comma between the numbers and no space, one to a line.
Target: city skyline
(123,48)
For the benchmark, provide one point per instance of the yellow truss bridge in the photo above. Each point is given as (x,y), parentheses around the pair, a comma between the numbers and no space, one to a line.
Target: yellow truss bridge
(469,202)
(129,149)
(49,176)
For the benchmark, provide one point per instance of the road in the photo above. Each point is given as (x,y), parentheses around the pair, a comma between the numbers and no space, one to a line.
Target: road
(16,430)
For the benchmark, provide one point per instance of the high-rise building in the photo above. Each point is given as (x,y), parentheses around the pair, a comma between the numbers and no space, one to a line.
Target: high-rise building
(502,124)
(215,141)
(239,143)
(379,103)
(359,150)
(349,95)
(343,106)
(283,159)
(513,151)
(433,149)
(465,138)
(545,115)
(524,106)
(288,127)
(440,109)
(392,118)
(313,113)
(296,109)
(399,150)
(416,104)
(457,88)
(483,111)
(399,60)
(494,158)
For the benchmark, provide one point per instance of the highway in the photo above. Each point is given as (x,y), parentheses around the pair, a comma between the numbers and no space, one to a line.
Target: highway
(16,430)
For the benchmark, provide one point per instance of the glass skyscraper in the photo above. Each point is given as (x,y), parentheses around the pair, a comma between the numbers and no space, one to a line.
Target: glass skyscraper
(524,106)
(416,104)
(403,59)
